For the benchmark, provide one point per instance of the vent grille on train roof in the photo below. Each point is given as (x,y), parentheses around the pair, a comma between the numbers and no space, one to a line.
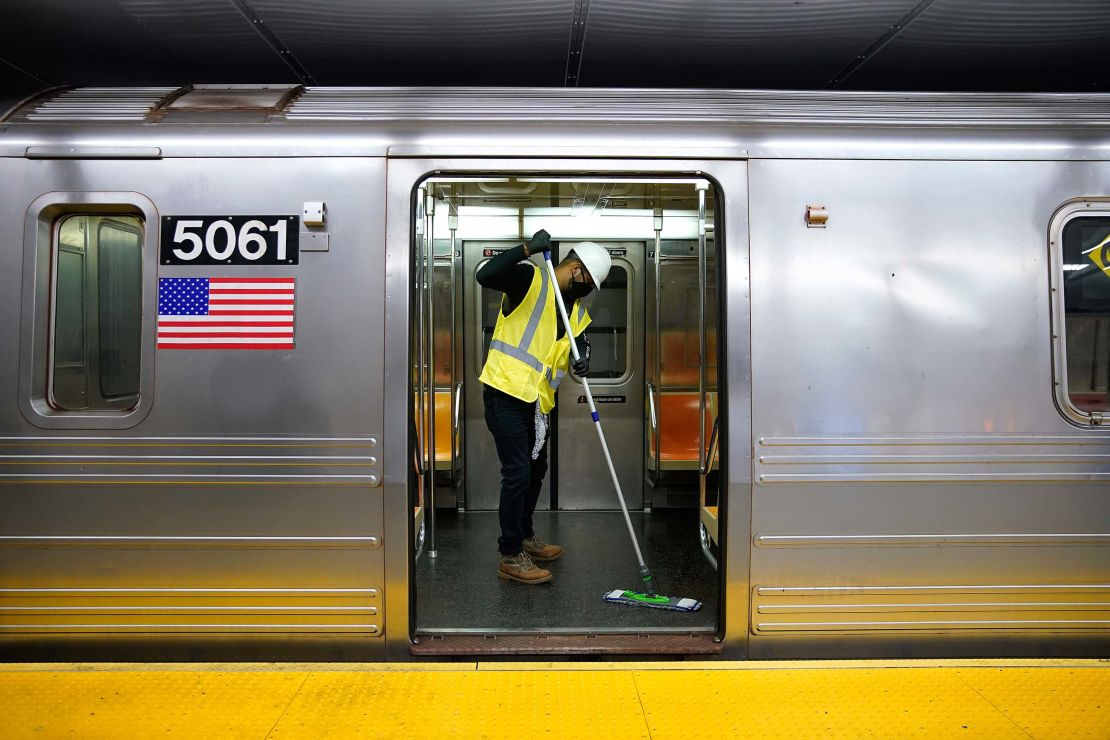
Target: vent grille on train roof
(711,106)
(99,104)
(234,97)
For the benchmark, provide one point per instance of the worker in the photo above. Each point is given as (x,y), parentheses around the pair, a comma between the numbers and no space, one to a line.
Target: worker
(528,357)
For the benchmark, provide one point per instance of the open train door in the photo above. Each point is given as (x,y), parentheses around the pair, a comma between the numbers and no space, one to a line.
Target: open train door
(427,222)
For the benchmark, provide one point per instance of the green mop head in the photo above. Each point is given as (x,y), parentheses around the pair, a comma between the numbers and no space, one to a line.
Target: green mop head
(652,601)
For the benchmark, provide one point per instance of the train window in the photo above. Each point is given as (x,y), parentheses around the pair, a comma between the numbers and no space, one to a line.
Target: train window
(1085,251)
(608,331)
(89,309)
(97,336)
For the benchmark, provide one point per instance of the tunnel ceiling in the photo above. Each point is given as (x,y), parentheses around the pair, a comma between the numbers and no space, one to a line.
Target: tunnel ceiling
(927,45)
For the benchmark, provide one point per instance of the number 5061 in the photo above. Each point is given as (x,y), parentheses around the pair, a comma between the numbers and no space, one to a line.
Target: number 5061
(229,240)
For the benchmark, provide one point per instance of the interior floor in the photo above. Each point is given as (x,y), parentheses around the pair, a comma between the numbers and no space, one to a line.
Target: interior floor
(460,590)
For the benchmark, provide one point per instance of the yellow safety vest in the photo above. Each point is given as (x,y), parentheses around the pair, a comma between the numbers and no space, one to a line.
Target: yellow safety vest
(525,359)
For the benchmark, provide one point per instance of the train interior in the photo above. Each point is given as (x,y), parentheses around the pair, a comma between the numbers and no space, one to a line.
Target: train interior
(653,374)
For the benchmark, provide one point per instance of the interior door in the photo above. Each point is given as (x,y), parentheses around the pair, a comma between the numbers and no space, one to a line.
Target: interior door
(616,379)
(481,305)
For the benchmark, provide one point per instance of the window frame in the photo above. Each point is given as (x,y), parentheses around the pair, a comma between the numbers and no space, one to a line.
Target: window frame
(1072,209)
(41,246)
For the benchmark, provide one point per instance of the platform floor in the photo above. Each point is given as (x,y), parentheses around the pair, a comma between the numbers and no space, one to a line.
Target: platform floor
(1019,699)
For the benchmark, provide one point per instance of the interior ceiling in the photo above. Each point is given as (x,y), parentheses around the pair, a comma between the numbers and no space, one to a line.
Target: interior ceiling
(928,45)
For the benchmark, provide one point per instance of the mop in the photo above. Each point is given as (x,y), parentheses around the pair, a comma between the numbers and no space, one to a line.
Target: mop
(647,597)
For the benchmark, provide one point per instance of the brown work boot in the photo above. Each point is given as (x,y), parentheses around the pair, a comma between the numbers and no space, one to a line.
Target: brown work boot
(537,549)
(521,568)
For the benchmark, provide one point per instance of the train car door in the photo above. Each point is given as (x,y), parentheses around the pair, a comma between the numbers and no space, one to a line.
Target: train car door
(456,601)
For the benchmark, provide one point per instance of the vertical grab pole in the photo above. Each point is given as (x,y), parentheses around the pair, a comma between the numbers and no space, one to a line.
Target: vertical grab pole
(421,229)
(645,572)
(421,440)
(456,387)
(701,186)
(657,376)
(429,290)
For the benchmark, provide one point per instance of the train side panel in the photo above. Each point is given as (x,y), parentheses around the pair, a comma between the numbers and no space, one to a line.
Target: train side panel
(912,474)
(246,503)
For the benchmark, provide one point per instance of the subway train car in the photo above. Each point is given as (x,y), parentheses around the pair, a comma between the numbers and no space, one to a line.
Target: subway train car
(852,362)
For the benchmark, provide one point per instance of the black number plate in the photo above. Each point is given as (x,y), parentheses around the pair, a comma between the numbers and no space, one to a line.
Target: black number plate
(230,240)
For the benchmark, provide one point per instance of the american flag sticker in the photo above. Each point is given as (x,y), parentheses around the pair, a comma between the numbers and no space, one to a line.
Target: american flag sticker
(226,313)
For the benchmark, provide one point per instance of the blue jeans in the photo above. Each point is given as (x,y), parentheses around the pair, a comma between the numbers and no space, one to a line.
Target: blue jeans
(513,425)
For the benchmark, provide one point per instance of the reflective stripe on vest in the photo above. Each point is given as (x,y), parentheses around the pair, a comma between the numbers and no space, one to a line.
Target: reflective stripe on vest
(555,379)
(520,352)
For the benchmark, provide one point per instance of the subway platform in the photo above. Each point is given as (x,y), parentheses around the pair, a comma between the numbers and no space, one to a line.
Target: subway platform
(933,699)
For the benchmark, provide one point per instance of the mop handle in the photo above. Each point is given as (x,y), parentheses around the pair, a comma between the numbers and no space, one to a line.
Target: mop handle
(596,417)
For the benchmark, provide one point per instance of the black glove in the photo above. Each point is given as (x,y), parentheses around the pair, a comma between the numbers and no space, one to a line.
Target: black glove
(581,366)
(540,242)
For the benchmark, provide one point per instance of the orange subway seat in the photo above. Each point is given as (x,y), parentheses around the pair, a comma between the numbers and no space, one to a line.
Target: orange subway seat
(677,414)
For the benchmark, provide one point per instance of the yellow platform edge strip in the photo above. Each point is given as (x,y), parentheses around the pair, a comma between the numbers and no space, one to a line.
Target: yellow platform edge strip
(468,666)
(835,700)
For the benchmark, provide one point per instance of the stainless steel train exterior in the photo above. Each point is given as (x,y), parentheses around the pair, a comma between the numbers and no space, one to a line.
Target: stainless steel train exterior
(905,472)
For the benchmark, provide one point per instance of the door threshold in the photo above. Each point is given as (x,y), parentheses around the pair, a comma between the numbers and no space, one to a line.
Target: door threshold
(566,644)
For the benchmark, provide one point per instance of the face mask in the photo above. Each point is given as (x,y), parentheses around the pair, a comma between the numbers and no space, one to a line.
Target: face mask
(579,289)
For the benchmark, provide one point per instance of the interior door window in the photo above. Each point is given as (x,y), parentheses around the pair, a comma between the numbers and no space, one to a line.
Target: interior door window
(608,331)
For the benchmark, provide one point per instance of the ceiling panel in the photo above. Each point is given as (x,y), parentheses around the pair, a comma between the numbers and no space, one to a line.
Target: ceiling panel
(730,43)
(997,45)
(425,42)
(137,42)
(15,86)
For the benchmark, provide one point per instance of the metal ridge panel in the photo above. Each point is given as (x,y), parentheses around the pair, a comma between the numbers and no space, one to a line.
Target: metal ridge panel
(929,540)
(612,105)
(900,607)
(97,104)
(1059,110)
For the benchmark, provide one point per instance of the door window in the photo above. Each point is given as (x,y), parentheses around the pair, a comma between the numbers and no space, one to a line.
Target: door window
(608,330)
(97,313)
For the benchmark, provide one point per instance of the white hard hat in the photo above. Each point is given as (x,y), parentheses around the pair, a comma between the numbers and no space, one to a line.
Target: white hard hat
(595,258)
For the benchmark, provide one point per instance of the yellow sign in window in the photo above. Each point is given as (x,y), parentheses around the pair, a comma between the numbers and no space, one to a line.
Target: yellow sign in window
(1100,255)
